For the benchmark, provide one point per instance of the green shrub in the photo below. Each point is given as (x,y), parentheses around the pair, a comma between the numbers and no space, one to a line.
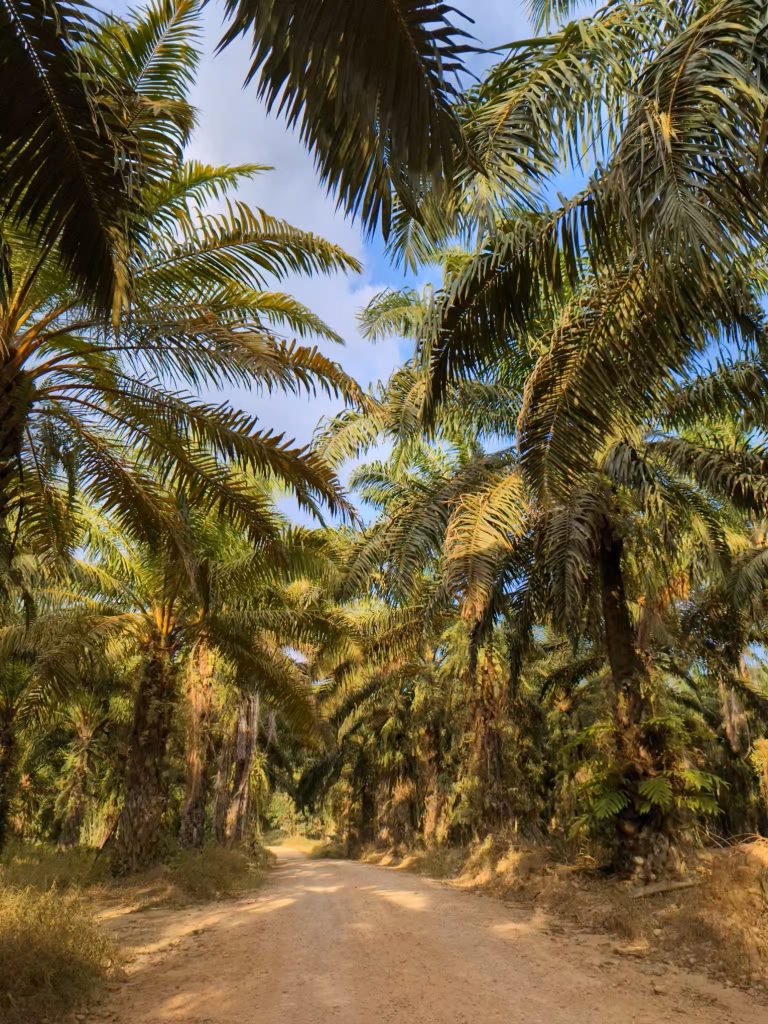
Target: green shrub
(282,814)
(260,857)
(53,955)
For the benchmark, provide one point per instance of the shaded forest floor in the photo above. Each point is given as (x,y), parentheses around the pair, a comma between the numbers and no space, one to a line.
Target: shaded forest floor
(343,941)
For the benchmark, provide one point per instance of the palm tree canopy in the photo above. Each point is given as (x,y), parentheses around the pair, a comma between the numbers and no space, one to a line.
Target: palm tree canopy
(67,173)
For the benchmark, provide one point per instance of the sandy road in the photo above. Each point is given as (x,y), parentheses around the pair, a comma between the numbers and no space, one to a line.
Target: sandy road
(349,943)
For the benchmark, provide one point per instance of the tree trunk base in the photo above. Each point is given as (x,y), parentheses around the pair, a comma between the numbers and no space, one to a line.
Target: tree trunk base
(648,856)
(192,831)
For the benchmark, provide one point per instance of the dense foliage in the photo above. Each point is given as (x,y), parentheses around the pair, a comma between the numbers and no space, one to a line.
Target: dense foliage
(550,617)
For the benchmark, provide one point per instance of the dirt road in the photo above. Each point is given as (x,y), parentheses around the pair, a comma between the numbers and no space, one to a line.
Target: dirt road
(349,943)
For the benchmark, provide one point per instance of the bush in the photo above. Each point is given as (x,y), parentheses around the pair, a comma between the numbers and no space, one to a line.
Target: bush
(332,849)
(216,872)
(282,815)
(53,955)
(260,857)
(212,873)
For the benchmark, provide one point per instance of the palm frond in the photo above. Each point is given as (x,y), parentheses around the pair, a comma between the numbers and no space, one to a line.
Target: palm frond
(369,85)
(480,536)
(62,174)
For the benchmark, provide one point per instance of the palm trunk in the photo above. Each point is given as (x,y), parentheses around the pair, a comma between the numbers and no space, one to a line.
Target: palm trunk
(640,834)
(434,799)
(73,810)
(199,749)
(362,831)
(221,795)
(487,758)
(139,830)
(735,720)
(7,751)
(627,667)
(16,391)
(367,814)
(245,747)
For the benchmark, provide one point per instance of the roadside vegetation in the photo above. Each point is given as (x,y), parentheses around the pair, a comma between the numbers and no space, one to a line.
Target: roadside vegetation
(53,951)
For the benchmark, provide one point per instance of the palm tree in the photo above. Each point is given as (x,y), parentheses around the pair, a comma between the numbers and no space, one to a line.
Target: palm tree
(68,171)
(371,87)
(172,602)
(45,653)
(279,598)
(71,170)
(95,401)
(667,96)
(85,720)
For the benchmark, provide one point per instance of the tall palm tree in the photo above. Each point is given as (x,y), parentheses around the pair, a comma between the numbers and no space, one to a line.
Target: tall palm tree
(511,541)
(280,598)
(372,86)
(659,105)
(68,170)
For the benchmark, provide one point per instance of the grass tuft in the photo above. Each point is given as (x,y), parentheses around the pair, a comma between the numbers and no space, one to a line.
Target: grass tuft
(42,868)
(53,955)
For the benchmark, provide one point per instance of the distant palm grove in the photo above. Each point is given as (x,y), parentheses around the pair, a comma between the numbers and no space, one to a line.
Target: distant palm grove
(539,603)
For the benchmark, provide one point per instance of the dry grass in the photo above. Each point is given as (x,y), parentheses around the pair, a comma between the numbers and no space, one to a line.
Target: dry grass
(215,873)
(189,877)
(437,862)
(53,955)
(44,867)
(329,849)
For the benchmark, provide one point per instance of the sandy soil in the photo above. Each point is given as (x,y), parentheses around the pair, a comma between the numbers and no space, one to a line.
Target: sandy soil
(350,943)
